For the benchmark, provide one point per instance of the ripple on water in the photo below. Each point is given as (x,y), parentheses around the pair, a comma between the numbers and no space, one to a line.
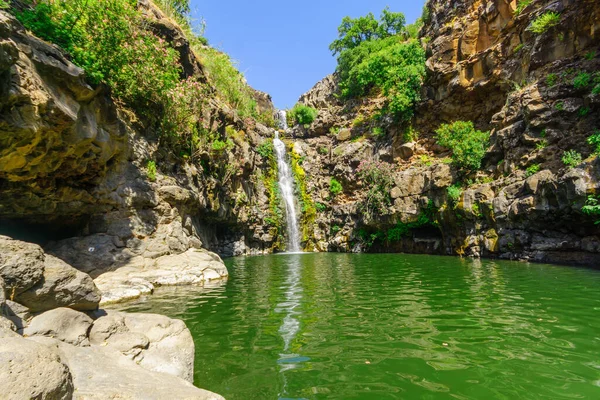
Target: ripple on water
(327,326)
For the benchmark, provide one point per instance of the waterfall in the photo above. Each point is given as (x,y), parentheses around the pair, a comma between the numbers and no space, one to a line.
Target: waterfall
(286,187)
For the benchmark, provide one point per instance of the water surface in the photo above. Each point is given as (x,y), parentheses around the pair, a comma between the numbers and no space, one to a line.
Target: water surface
(342,326)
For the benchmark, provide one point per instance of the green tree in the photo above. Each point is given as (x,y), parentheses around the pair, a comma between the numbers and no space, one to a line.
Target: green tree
(468,145)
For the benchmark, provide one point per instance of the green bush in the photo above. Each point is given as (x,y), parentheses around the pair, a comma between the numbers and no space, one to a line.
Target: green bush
(551,79)
(582,80)
(4,4)
(320,207)
(468,145)
(335,187)
(302,115)
(544,22)
(571,158)
(521,5)
(594,140)
(378,132)
(454,193)
(374,56)
(266,150)
(592,208)
(222,145)
(151,170)
(532,170)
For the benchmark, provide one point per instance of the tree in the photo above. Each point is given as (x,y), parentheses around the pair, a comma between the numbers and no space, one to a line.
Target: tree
(354,31)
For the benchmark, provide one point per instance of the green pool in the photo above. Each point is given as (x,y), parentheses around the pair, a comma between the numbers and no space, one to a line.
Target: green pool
(341,326)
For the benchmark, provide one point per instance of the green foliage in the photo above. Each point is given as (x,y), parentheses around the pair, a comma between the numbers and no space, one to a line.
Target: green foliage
(542,144)
(179,8)
(302,115)
(108,39)
(4,4)
(320,207)
(582,80)
(410,135)
(592,208)
(335,229)
(532,170)
(560,106)
(594,140)
(571,158)
(544,22)
(551,79)
(521,5)
(590,55)
(378,132)
(518,48)
(468,145)
(426,13)
(378,180)
(584,111)
(307,205)
(390,65)
(266,150)
(355,31)
(335,187)
(455,193)
(151,170)
(222,145)
(323,150)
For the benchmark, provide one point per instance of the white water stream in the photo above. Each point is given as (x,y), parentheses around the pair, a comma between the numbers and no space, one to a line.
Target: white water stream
(286,187)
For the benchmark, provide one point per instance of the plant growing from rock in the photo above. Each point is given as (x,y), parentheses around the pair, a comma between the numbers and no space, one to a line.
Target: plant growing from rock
(571,158)
(454,193)
(266,150)
(582,80)
(521,5)
(594,140)
(544,22)
(468,145)
(378,180)
(303,115)
(335,187)
(551,79)
(592,208)
(151,170)
(532,170)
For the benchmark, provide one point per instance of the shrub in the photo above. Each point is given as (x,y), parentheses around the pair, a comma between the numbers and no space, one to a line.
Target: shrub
(389,65)
(266,150)
(378,132)
(320,207)
(584,111)
(377,178)
(303,115)
(544,22)
(551,79)
(532,170)
(109,41)
(222,145)
(335,187)
(151,170)
(4,4)
(454,193)
(571,158)
(542,144)
(592,208)
(594,140)
(560,106)
(468,145)
(582,80)
(521,5)
(590,55)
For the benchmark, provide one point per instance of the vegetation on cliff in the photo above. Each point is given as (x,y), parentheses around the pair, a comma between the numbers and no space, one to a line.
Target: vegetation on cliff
(375,56)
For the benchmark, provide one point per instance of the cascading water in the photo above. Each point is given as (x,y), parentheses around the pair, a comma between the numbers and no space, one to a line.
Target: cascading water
(286,187)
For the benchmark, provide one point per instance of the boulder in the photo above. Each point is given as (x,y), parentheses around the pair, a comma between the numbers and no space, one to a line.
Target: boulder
(21,265)
(407,150)
(156,342)
(61,286)
(29,370)
(101,373)
(194,267)
(64,324)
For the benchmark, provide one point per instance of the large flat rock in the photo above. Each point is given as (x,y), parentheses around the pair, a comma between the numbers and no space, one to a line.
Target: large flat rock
(194,267)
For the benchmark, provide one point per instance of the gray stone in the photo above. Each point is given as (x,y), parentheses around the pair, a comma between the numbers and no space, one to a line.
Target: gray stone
(156,342)
(407,150)
(17,314)
(21,265)
(29,370)
(64,324)
(101,373)
(61,286)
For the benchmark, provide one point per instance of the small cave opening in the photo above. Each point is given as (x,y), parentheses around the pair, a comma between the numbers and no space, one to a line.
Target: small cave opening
(42,231)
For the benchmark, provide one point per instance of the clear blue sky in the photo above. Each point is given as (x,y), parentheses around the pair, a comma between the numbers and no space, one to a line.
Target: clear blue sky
(282,46)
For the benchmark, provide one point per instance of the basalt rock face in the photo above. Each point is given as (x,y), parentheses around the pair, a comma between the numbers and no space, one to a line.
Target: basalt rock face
(485,66)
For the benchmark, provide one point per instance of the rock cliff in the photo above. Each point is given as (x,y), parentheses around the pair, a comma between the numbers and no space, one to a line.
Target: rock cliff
(484,65)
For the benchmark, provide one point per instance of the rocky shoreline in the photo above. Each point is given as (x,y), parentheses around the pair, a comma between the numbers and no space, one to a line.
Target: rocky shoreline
(56,343)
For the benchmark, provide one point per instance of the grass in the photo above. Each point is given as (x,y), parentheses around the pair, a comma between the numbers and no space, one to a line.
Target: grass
(582,80)
(551,79)
(571,158)
(532,170)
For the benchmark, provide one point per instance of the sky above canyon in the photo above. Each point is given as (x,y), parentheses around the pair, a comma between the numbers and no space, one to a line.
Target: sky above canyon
(283,47)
